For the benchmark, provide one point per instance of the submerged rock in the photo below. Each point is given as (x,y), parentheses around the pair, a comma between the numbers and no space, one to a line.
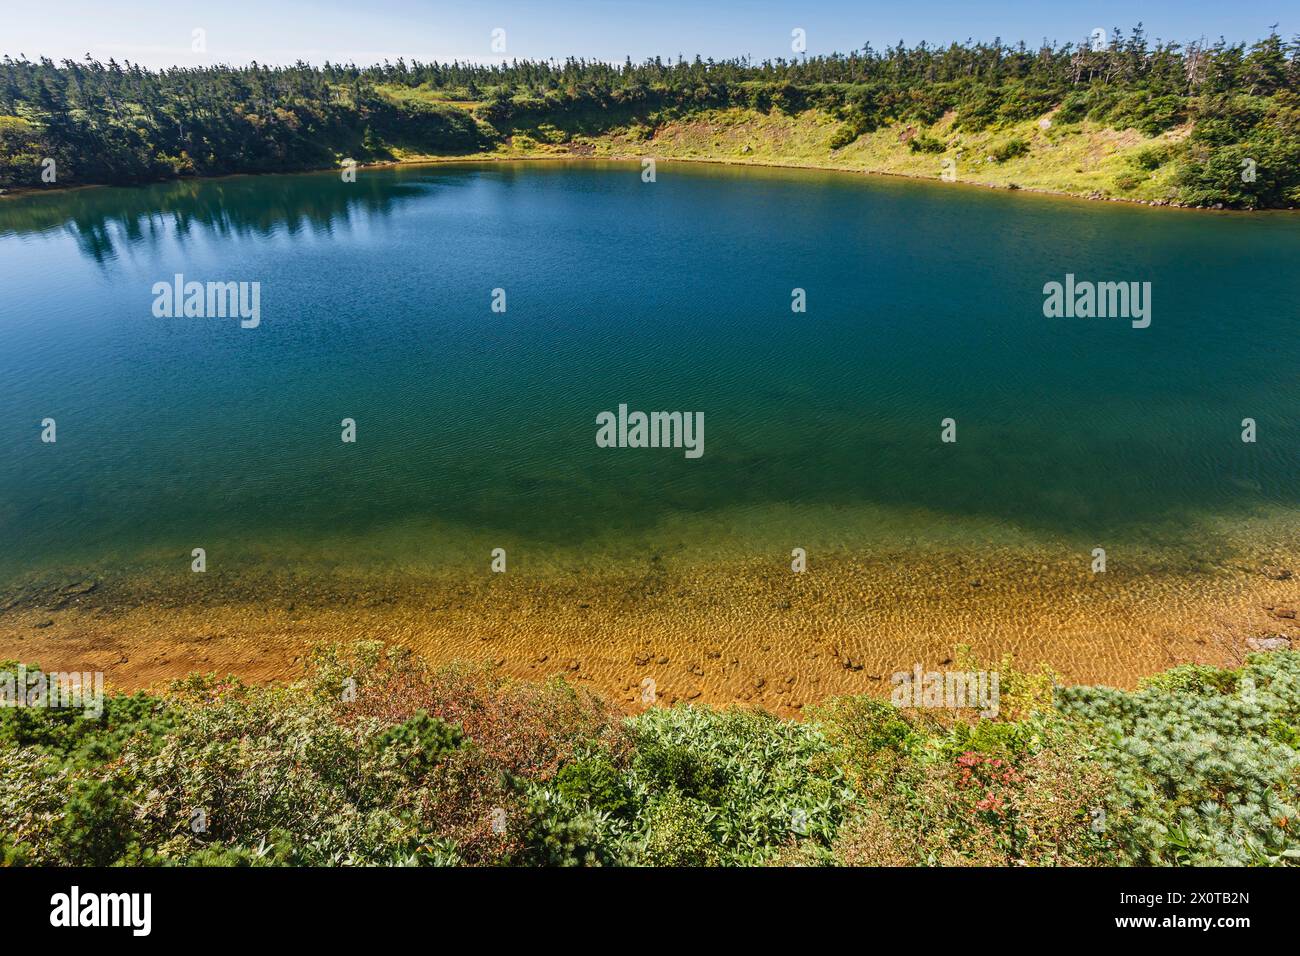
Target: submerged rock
(1279,643)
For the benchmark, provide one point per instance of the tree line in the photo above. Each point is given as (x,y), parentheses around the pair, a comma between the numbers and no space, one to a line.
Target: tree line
(121,123)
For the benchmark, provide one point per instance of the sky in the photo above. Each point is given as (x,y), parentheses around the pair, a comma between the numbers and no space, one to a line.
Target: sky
(157,33)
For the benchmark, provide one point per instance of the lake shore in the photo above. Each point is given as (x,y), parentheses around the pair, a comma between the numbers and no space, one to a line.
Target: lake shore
(13,193)
(476,432)
(740,631)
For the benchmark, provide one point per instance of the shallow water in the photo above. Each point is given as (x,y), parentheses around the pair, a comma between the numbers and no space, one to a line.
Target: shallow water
(477,429)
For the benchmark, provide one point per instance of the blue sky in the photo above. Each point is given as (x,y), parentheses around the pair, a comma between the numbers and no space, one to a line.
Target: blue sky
(159,32)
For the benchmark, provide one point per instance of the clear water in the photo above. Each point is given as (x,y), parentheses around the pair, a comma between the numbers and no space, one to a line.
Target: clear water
(924,302)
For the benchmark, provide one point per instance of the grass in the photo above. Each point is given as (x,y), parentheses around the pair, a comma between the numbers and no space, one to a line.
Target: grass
(1081,160)
(1078,159)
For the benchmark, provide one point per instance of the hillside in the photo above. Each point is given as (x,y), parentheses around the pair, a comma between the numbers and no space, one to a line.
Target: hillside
(1085,159)
(1196,125)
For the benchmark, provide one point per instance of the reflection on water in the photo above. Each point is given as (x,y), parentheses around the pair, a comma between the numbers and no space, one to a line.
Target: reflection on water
(476,428)
(102,220)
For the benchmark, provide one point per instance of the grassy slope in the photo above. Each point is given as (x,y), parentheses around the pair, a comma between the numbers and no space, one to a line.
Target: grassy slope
(1077,159)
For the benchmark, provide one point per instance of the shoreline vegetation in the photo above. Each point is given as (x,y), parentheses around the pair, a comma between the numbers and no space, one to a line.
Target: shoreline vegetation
(1162,124)
(373,758)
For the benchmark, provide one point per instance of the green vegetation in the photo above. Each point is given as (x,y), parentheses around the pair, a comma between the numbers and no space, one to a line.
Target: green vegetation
(1223,120)
(374,759)
(1010,150)
(926,144)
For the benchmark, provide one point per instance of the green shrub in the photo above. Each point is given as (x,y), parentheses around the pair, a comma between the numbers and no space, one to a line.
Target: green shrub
(1193,678)
(1152,157)
(678,832)
(678,767)
(596,782)
(846,135)
(461,767)
(1202,777)
(922,143)
(1243,152)
(868,736)
(1074,108)
(979,109)
(558,833)
(1010,150)
(1147,113)
(766,781)
(419,743)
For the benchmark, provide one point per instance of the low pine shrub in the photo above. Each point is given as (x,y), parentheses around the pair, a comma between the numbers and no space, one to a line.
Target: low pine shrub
(376,760)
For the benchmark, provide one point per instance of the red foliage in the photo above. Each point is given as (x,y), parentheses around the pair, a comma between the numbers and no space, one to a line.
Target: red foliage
(994,777)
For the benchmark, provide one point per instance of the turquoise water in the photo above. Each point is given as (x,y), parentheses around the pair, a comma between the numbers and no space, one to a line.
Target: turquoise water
(924,302)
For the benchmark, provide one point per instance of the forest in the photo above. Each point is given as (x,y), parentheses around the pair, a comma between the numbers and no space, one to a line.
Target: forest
(1235,107)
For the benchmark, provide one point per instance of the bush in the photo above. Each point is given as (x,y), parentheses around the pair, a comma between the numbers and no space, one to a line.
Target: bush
(558,833)
(419,743)
(1151,158)
(926,144)
(597,783)
(1010,150)
(21,152)
(1193,679)
(677,832)
(1204,776)
(992,793)
(1147,113)
(868,736)
(846,135)
(1074,108)
(768,781)
(1243,152)
(979,109)
(374,759)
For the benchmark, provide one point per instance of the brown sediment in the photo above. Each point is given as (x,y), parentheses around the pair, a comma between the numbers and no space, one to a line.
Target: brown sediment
(748,631)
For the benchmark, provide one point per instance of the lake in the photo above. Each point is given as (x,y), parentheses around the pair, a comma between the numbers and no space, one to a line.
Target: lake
(476,428)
